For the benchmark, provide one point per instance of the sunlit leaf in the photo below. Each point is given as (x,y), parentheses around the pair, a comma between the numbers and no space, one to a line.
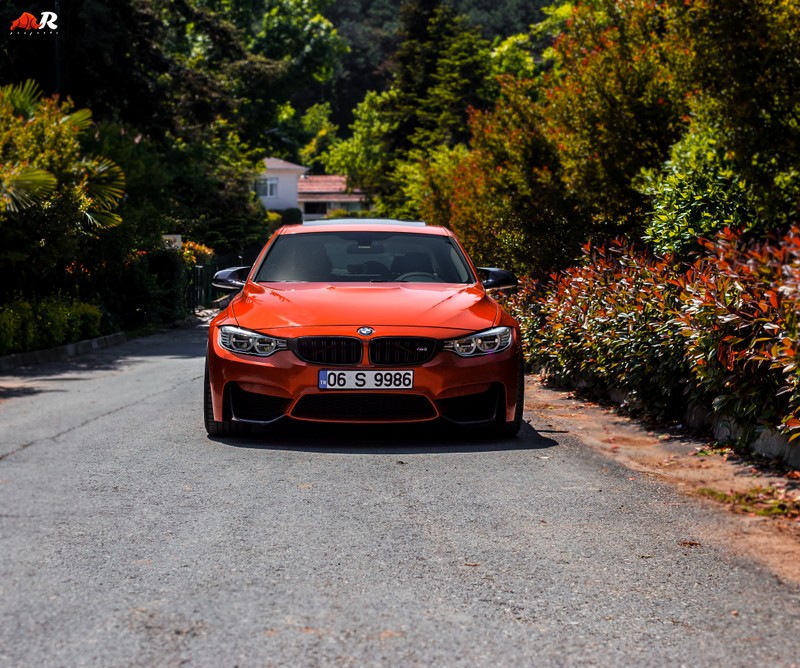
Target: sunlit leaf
(25,188)
(102,220)
(80,119)
(106,182)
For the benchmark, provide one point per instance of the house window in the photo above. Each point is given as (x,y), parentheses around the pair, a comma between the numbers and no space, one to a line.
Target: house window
(267,187)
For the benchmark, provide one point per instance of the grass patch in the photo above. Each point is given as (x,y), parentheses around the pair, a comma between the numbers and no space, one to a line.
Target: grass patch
(761,501)
(715,450)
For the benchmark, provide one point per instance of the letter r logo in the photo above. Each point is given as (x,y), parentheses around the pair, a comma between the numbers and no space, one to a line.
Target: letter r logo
(48,21)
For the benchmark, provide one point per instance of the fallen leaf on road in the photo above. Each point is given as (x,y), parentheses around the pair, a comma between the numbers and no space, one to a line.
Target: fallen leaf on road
(384,635)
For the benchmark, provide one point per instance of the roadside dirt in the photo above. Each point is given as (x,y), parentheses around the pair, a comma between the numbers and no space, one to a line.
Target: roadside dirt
(693,465)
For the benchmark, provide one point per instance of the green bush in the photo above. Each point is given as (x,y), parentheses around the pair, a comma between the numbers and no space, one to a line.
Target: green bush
(87,319)
(26,326)
(291,217)
(697,193)
(274,221)
(23,329)
(171,281)
(150,289)
(8,326)
(132,293)
(361,213)
(52,316)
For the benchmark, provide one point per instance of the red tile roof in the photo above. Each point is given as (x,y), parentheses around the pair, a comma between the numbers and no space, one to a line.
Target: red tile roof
(323,188)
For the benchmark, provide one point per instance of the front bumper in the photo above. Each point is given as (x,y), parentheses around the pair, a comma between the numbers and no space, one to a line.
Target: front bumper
(474,390)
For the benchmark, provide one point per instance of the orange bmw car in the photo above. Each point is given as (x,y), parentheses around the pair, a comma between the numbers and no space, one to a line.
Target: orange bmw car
(363,321)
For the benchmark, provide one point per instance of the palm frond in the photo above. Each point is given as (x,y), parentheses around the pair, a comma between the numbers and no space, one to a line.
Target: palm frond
(106,182)
(22,96)
(102,220)
(80,119)
(25,188)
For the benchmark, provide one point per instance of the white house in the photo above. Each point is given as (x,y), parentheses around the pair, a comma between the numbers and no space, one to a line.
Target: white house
(284,185)
(276,187)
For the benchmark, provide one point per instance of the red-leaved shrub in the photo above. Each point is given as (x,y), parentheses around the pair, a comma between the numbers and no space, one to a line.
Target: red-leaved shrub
(721,332)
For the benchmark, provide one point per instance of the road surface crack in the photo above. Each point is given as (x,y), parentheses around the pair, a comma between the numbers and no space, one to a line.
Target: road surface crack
(55,437)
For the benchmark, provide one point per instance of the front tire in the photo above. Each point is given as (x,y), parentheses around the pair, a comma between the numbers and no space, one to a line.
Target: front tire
(213,427)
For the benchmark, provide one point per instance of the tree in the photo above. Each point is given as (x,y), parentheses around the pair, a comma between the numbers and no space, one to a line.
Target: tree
(501,18)
(738,163)
(613,102)
(514,56)
(698,191)
(363,157)
(317,124)
(429,182)
(461,80)
(441,70)
(296,32)
(217,203)
(369,30)
(71,196)
(746,63)
(506,197)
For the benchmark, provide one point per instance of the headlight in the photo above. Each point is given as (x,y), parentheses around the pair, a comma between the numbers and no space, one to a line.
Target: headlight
(239,340)
(483,343)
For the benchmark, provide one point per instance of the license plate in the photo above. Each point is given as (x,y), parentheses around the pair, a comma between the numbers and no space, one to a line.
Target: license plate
(366,380)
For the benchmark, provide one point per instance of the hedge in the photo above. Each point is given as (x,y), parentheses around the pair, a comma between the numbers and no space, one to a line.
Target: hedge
(720,333)
(47,323)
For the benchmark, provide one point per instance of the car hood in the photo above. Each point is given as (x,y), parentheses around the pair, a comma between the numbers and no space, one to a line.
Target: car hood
(312,306)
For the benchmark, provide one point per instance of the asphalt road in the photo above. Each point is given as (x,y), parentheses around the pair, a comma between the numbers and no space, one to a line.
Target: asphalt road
(128,538)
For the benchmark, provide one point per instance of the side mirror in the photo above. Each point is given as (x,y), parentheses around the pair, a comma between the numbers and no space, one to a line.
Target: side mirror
(231,279)
(497,279)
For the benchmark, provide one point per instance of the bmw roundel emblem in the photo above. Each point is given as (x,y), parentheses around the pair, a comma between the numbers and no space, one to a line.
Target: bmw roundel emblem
(366,331)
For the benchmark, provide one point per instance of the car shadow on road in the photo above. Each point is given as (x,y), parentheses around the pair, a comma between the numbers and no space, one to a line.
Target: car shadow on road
(17,392)
(384,439)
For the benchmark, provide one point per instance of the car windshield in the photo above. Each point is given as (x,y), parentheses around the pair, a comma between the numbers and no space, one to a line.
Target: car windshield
(365,256)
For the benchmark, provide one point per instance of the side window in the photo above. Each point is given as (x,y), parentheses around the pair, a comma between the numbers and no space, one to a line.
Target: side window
(460,269)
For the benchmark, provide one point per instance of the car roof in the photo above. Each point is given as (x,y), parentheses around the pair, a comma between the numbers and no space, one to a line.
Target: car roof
(372,224)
